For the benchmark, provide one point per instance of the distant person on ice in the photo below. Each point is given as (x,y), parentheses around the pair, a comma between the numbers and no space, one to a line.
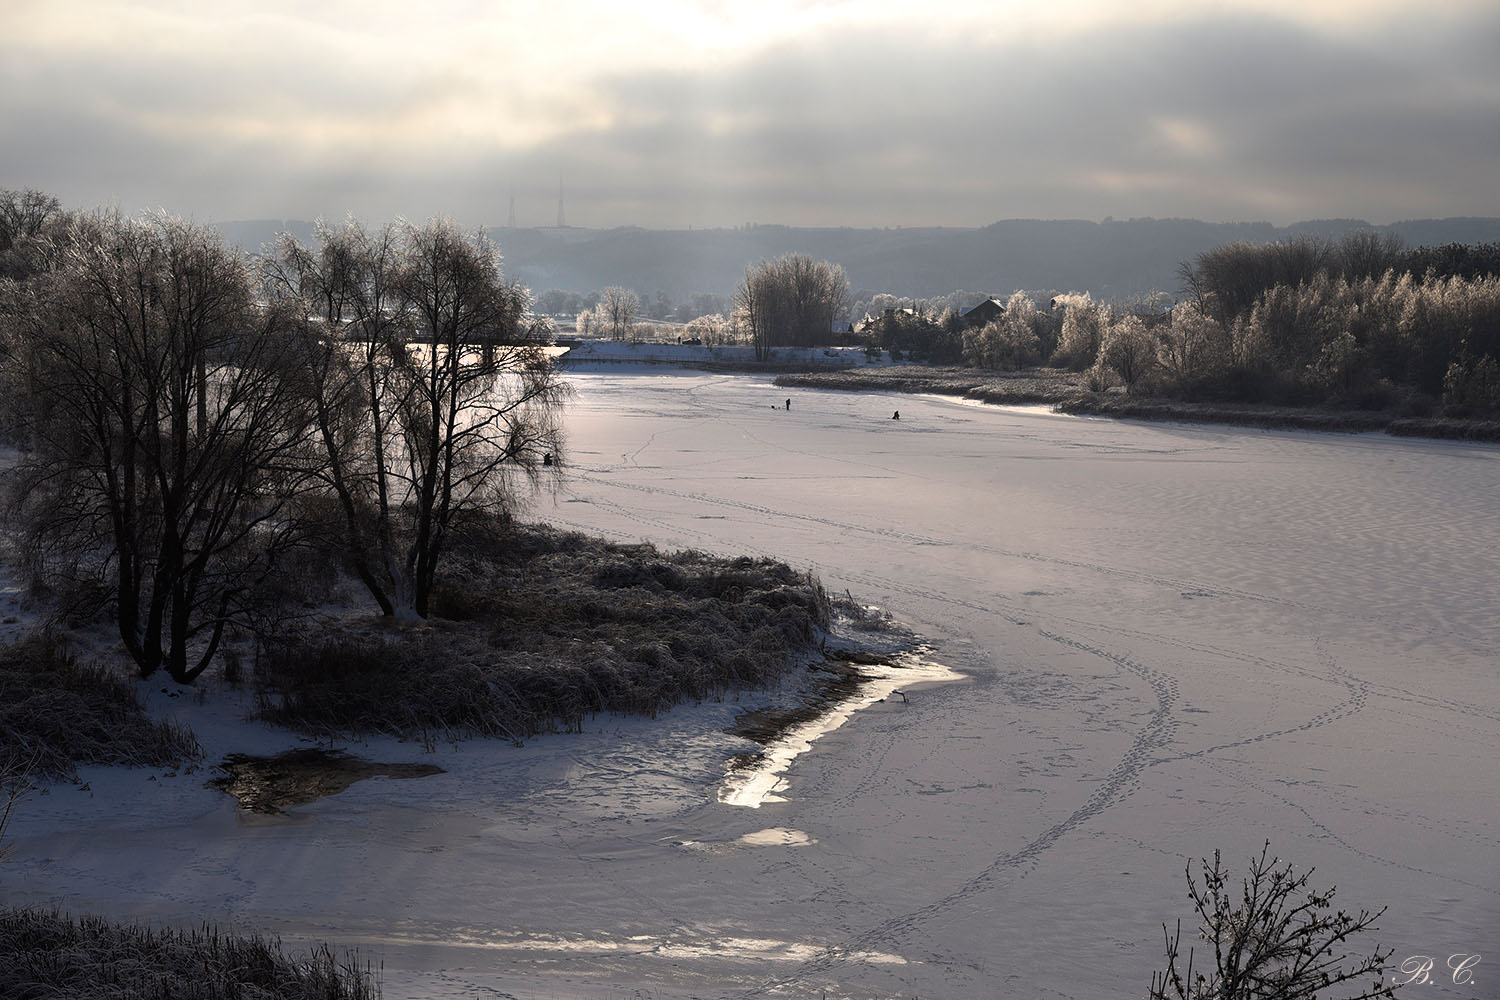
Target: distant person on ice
(789,404)
(896,415)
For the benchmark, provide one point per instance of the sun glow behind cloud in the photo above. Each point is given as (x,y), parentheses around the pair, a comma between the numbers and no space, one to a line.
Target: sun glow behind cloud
(712,111)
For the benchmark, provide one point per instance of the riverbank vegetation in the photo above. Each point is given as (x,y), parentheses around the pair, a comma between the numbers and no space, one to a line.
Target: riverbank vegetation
(44,953)
(57,714)
(536,629)
(1357,334)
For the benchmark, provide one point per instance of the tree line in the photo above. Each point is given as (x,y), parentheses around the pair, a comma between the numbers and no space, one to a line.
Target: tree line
(1359,322)
(187,418)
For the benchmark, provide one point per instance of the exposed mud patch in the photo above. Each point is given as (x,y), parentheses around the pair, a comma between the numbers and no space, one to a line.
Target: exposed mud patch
(270,784)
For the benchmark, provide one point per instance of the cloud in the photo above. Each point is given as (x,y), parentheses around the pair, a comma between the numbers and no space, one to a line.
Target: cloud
(808,113)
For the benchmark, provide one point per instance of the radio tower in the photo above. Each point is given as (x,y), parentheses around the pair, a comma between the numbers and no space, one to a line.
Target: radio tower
(560,222)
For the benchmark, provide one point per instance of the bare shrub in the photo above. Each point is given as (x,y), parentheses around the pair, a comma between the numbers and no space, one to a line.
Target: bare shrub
(1273,940)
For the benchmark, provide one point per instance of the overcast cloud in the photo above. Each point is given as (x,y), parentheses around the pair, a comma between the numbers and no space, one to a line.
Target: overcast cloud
(805,113)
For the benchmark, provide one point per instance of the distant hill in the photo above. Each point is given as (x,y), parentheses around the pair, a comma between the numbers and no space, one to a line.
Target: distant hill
(1109,259)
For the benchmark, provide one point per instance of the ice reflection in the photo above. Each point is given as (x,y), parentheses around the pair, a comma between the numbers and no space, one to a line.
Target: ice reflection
(758,784)
(730,947)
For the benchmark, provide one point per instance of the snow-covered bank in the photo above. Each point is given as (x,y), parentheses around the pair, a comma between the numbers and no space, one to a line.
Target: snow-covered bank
(1066,392)
(1179,638)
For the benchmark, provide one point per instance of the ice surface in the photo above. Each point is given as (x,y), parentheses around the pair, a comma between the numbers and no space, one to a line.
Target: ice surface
(1177,639)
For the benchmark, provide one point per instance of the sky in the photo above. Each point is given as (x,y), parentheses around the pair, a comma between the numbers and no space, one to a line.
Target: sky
(719,113)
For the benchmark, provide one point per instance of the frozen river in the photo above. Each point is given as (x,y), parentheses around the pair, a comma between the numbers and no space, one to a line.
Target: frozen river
(1175,640)
(1180,638)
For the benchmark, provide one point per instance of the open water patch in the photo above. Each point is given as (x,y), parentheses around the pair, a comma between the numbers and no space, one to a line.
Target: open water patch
(270,784)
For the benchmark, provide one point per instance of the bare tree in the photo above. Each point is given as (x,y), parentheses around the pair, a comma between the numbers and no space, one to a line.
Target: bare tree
(162,432)
(819,294)
(618,309)
(1274,940)
(432,390)
(1364,253)
(354,327)
(792,300)
(761,307)
(1226,281)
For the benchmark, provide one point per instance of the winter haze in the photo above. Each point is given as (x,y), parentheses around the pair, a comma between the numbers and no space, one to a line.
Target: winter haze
(672,114)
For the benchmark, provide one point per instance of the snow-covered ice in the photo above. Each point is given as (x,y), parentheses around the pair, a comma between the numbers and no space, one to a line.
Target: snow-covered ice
(1173,639)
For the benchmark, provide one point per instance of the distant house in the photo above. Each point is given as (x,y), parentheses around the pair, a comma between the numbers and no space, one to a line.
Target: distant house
(987,311)
(893,319)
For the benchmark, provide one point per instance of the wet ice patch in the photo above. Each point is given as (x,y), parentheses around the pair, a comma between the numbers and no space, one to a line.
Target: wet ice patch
(270,784)
(777,836)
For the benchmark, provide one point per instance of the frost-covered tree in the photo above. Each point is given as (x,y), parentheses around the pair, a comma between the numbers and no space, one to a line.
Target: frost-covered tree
(1128,349)
(1192,348)
(432,391)
(163,429)
(1001,345)
(1078,344)
(25,216)
(617,309)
